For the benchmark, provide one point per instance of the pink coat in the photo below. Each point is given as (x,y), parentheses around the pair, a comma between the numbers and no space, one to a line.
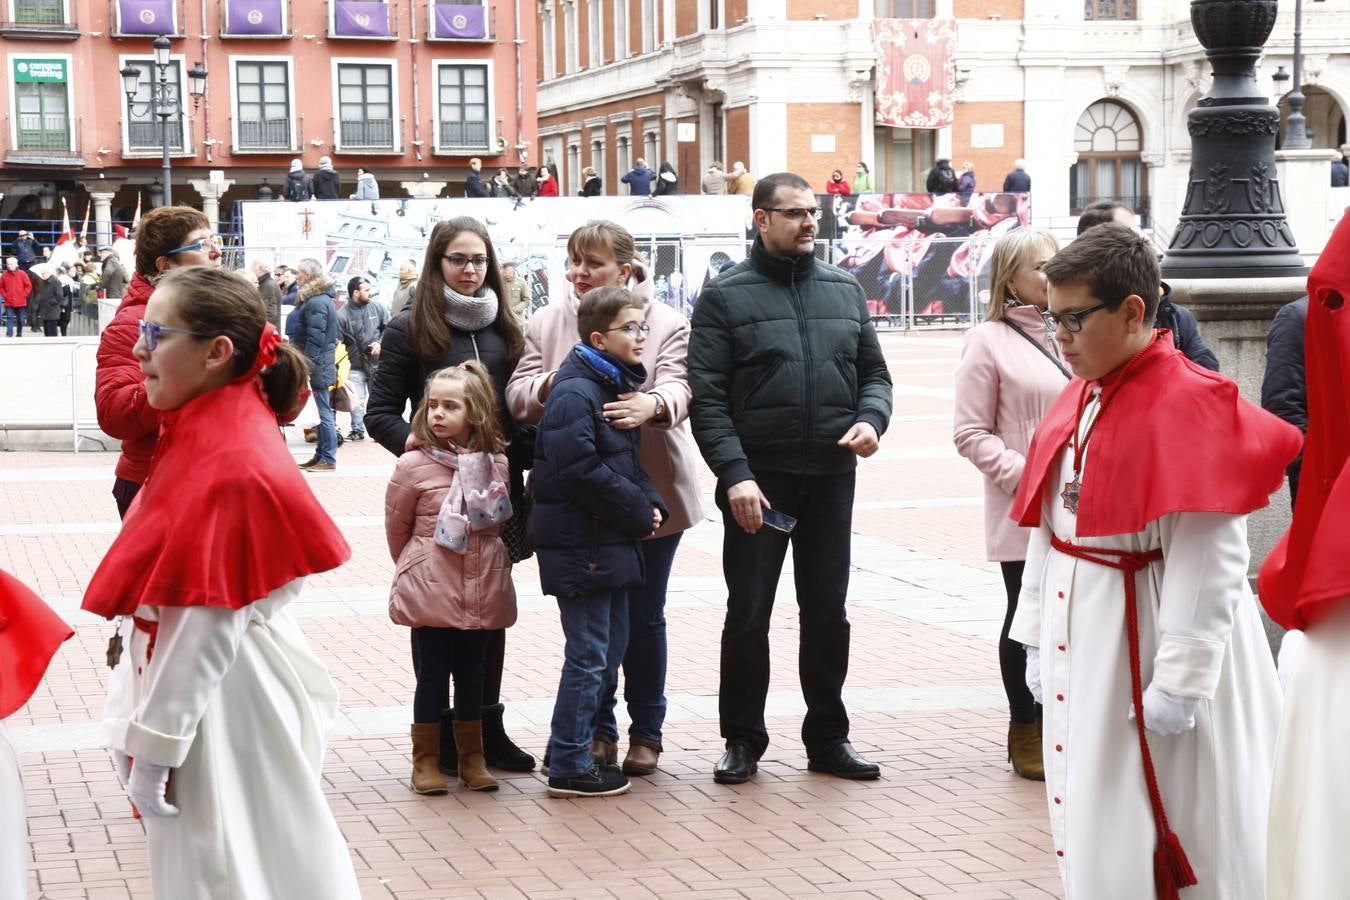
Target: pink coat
(667,450)
(1004,386)
(432,585)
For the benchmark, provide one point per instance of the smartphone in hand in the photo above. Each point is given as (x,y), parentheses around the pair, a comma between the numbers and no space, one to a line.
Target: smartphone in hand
(779,521)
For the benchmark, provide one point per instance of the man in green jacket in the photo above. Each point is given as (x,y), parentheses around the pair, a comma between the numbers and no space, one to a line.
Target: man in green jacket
(790,388)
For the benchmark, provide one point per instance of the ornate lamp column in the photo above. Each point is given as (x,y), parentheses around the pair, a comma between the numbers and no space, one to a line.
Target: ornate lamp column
(1233,221)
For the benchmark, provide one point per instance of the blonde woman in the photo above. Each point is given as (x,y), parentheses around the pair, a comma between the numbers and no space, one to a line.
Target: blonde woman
(1010,373)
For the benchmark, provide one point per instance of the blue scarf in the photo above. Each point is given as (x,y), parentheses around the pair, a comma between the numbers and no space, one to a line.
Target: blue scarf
(622,377)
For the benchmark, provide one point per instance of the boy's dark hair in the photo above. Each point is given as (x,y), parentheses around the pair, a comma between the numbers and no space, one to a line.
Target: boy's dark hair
(354,284)
(766,189)
(1112,262)
(600,306)
(1100,213)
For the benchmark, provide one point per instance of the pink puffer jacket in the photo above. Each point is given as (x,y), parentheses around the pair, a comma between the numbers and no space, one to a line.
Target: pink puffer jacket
(432,585)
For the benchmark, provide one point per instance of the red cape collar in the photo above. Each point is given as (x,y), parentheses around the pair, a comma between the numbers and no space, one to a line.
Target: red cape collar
(1309,569)
(1148,458)
(225,516)
(30,634)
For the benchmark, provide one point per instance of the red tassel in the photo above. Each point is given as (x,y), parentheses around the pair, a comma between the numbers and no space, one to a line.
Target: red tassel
(1164,880)
(1177,861)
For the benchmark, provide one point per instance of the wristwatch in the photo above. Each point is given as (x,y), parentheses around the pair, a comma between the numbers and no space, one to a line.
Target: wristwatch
(660,406)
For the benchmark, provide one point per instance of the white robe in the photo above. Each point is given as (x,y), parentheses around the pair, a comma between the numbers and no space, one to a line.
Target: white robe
(1200,635)
(1310,794)
(13,823)
(240,706)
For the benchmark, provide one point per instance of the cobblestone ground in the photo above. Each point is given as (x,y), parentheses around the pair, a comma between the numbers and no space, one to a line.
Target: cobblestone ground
(947,818)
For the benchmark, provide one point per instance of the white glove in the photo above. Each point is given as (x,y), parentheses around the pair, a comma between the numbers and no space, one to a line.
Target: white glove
(1166,713)
(122,763)
(1291,649)
(1034,671)
(147,785)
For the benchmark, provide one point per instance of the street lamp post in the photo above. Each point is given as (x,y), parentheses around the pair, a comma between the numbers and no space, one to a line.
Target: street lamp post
(164,104)
(1296,128)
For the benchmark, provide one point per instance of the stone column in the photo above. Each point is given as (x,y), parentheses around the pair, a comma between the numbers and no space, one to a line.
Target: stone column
(1304,175)
(102,216)
(211,192)
(423,190)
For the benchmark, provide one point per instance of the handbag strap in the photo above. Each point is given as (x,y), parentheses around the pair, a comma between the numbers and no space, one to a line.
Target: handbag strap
(1039,346)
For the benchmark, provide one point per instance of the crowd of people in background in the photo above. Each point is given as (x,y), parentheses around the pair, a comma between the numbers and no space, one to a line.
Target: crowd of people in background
(44,288)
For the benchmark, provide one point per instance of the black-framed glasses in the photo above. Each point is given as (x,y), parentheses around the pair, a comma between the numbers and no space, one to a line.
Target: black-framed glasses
(150,332)
(633,330)
(1072,321)
(210,242)
(460,261)
(795,213)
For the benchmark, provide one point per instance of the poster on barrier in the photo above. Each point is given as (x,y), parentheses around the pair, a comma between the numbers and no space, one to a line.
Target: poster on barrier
(687,239)
(935,248)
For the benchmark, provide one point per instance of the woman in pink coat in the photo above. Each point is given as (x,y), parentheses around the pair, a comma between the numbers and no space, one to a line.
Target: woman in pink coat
(603,253)
(1010,373)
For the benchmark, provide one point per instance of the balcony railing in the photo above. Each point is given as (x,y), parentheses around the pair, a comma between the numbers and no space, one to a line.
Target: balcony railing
(145,18)
(39,20)
(363,20)
(367,134)
(39,132)
(461,22)
(143,139)
(266,134)
(466,135)
(43,140)
(39,12)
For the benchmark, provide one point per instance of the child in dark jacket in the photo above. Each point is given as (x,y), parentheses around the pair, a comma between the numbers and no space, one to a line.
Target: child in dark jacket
(593,505)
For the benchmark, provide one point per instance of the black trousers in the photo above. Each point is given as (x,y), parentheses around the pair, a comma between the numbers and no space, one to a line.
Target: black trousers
(494,659)
(442,654)
(1012,656)
(124,492)
(752,565)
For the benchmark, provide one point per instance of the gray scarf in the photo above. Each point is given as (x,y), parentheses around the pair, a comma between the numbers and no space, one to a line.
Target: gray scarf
(470,313)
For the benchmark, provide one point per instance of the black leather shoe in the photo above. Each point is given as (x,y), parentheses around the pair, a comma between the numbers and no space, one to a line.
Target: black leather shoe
(841,760)
(736,765)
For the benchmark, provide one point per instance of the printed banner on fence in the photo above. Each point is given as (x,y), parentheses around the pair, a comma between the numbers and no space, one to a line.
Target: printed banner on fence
(916,76)
(261,17)
(459,21)
(937,247)
(360,18)
(145,17)
(686,240)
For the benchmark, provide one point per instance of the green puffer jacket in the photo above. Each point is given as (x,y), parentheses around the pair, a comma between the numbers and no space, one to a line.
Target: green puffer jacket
(783,360)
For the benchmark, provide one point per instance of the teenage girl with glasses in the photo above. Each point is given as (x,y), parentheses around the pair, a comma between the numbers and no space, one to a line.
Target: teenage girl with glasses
(218,710)
(459,312)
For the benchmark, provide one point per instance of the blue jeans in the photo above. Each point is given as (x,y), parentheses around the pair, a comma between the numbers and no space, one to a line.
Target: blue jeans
(644,663)
(360,386)
(13,315)
(326,432)
(595,633)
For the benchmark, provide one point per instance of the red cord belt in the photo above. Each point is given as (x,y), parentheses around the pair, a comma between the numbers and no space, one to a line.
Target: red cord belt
(1171,870)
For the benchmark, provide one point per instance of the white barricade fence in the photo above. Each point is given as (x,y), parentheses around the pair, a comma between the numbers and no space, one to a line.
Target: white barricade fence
(49,386)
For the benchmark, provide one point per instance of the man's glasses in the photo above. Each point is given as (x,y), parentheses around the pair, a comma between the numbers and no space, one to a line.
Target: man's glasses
(795,213)
(210,242)
(633,330)
(150,332)
(460,261)
(1072,322)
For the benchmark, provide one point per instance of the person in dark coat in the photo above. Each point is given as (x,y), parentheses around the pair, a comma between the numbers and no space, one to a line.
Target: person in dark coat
(639,179)
(327,182)
(1340,173)
(667,181)
(298,186)
(591,186)
(1177,319)
(27,250)
(458,312)
(313,327)
(50,295)
(524,182)
(271,293)
(942,178)
(593,506)
(1284,390)
(1017,181)
(473,183)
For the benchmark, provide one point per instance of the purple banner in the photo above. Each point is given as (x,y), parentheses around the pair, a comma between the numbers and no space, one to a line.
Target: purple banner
(253,17)
(145,17)
(460,22)
(360,18)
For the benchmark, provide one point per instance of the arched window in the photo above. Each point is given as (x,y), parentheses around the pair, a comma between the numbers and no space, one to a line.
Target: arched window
(1108,139)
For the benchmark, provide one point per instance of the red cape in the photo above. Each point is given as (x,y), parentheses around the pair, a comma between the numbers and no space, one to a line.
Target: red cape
(1174,437)
(30,634)
(1309,568)
(225,516)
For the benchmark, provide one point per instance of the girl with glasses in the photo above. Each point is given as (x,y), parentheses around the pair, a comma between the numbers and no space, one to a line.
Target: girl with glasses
(459,312)
(602,254)
(217,709)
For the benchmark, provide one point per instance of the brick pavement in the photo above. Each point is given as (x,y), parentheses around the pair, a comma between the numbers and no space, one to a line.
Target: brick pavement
(947,819)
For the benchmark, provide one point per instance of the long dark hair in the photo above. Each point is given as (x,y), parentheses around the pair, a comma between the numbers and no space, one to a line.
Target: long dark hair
(429,332)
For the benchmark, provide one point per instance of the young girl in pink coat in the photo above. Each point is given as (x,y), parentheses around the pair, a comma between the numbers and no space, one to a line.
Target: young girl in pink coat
(443,512)
(1010,373)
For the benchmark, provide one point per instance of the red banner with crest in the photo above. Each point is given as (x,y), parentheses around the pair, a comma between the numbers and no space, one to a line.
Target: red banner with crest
(916,75)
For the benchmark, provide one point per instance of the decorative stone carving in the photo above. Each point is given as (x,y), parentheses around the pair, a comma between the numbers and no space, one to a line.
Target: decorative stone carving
(1241,123)
(1114,78)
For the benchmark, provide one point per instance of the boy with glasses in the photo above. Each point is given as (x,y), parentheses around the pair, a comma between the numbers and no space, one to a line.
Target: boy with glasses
(1160,699)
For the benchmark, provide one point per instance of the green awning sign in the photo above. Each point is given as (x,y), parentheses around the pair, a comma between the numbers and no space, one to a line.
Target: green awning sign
(29,71)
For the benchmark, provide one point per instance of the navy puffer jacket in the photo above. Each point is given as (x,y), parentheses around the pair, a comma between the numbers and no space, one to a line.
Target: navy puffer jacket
(592,500)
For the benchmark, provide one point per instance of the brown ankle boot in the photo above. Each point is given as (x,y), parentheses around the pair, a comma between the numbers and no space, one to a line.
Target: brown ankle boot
(1024,750)
(426,752)
(642,757)
(604,751)
(473,769)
